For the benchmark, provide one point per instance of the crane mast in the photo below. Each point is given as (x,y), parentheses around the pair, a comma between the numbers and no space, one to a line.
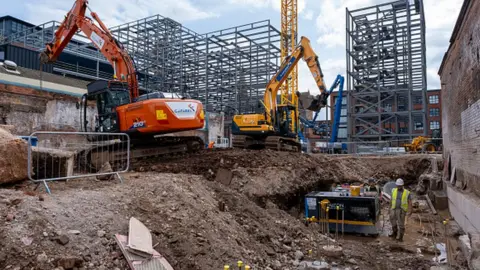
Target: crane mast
(288,43)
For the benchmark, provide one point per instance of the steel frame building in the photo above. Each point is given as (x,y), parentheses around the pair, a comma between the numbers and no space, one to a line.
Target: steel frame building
(226,69)
(386,71)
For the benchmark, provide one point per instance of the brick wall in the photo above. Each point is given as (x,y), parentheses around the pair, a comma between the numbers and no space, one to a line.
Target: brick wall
(437,106)
(30,110)
(460,80)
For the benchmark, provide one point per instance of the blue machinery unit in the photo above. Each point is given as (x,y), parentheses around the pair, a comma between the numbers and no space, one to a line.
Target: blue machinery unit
(324,128)
(346,213)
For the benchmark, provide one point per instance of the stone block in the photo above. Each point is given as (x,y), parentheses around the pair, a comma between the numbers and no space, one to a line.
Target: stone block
(439,199)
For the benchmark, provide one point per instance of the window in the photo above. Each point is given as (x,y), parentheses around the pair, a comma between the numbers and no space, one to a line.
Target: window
(434,112)
(434,125)
(14,27)
(343,119)
(344,101)
(418,126)
(343,112)
(433,99)
(417,100)
(342,133)
(388,107)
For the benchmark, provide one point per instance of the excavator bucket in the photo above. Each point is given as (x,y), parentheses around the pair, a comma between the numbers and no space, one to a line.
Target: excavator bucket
(318,102)
(314,105)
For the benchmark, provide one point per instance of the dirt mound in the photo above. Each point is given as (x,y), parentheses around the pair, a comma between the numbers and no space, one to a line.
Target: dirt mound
(13,158)
(196,222)
(5,135)
(284,171)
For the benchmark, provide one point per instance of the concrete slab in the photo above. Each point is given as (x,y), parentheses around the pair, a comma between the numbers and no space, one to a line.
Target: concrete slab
(139,238)
(439,199)
(465,209)
(52,163)
(136,262)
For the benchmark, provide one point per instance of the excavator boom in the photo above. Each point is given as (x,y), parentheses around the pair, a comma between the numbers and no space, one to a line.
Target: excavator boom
(124,69)
(149,119)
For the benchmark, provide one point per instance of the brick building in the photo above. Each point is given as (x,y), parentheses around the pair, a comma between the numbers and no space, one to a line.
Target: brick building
(460,82)
(434,111)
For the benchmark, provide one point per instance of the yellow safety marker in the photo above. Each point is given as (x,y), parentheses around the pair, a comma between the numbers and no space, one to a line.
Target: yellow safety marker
(161,115)
(240,264)
(226,267)
(247,267)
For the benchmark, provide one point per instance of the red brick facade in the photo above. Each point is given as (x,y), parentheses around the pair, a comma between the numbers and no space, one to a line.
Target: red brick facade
(434,110)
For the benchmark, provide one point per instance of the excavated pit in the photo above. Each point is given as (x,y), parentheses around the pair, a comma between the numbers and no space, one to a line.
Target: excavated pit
(284,178)
(198,219)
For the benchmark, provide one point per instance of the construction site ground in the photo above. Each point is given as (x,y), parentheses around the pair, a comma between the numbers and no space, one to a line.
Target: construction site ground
(201,220)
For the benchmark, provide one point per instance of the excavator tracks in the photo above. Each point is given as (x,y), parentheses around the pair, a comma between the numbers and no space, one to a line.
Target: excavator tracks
(117,153)
(276,143)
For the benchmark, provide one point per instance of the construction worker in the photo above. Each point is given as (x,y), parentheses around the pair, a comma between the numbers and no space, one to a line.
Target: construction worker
(401,206)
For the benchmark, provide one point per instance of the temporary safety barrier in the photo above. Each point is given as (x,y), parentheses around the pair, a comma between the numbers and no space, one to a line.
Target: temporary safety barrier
(394,147)
(71,155)
(222,143)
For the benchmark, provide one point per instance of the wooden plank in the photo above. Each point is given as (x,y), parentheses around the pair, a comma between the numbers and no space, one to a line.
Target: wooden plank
(430,204)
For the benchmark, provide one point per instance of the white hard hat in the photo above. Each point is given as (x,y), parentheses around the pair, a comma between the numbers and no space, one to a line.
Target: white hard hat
(399,182)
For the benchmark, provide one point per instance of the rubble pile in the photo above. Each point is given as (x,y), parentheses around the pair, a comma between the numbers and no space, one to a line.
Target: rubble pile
(197,220)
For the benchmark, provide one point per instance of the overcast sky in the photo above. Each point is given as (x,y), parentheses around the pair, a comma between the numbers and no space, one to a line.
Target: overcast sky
(323,21)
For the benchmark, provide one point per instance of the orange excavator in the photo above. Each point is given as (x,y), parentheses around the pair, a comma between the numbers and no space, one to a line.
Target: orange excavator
(120,107)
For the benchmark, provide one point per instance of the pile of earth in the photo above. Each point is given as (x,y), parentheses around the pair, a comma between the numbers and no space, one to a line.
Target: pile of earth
(197,222)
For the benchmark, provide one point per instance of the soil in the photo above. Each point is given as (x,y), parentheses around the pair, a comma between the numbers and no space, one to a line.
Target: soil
(196,221)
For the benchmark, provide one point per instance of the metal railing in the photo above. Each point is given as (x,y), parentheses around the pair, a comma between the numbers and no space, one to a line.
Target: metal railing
(54,156)
(76,70)
(394,147)
(222,143)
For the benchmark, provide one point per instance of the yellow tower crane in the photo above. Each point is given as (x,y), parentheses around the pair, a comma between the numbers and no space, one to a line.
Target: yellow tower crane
(288,43)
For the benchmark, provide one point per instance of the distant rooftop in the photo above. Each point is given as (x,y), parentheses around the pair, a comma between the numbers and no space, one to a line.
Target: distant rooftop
(8,17)
(46,77)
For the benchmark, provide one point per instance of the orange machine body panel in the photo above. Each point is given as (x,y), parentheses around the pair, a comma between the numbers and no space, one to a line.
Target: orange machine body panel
(160,116)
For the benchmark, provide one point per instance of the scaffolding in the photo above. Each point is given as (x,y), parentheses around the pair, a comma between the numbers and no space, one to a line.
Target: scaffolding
(386,71)
(227,70)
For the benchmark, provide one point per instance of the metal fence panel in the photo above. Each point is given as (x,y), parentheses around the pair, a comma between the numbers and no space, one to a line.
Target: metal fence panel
(57,155)
(394,147)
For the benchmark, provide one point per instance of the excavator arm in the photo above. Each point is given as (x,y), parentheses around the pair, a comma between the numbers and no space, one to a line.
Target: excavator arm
(302,51)
(123,66)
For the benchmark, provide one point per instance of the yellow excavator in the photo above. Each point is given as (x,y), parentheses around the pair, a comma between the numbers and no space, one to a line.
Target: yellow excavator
(423,144)
(275,129)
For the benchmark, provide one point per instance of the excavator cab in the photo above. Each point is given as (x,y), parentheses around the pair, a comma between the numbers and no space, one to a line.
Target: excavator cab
(108,95)
(283,121)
